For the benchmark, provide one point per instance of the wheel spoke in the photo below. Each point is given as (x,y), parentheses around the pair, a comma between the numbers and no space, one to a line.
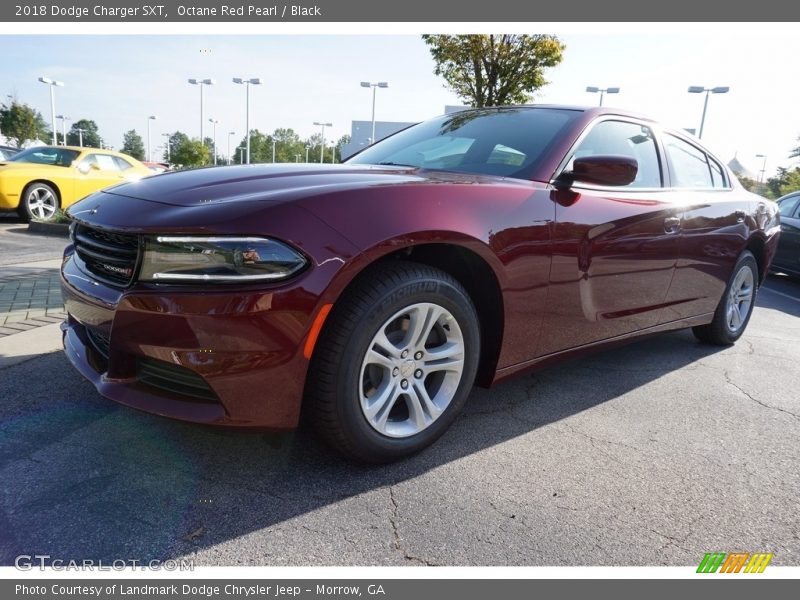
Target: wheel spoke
(737,317)
(416,411)
(382,343)
(421,323)
(378,407)
(376,358)
(447,357)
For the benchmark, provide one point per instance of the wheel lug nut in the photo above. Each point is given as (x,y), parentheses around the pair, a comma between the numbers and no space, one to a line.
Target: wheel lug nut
(418,355)
(404,354)
(404,384)
(418,373)
(395,371)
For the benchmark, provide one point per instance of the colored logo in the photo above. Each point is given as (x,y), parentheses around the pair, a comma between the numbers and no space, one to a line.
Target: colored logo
(737,562)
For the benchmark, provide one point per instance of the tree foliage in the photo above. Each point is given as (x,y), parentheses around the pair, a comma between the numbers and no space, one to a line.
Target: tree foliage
(190,153)
(22,124)
(494,70)
(784,182)
(748,183)
(91,136)
(795,152)
(132,145)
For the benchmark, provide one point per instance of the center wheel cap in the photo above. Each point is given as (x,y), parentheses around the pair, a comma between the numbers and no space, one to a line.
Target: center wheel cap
(407,368)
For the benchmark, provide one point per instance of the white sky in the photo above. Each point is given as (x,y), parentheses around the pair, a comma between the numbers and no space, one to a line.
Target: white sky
(119,80)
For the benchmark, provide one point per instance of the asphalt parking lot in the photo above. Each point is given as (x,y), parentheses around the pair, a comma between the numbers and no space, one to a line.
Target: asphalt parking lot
(651,454)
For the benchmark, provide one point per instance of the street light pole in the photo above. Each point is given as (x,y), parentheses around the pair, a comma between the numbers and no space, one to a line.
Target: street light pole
(53,84)
(80,136)
(247,83)
(322,142)
(307,149)
(763,169)
(149,152)
(699,89)
(64,120)
(230,133)
(201,83)
(374,86)
(273,151)
(593,90)
(214,139)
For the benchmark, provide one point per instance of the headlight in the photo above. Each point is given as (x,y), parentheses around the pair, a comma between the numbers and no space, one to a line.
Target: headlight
(217,259)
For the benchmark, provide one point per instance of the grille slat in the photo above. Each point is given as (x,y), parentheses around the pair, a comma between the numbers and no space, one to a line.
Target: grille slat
(111,257)
(175,379)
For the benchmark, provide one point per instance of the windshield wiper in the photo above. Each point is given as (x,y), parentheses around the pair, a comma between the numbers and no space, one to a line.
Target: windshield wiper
(394,164)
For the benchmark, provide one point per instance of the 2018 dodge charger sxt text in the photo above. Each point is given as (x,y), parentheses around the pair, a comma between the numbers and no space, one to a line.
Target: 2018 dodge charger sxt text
(464,249)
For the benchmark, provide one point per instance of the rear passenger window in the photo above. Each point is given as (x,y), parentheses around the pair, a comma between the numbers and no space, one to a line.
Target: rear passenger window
(690,167)
(122,164)
(788,205)
(625,139)
(717,176)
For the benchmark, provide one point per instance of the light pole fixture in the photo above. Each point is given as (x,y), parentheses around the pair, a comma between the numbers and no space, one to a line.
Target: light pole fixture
(53,84)
(149,153)
(202,83)
(699,89)
(247,83)
(64,120)
(322,143)
(593,90)
(230,133)
(80,135)
(214,138)
(374,86)
(167,143)
(763,168)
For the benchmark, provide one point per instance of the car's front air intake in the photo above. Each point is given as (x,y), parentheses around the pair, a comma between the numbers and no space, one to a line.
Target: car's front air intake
(109,256)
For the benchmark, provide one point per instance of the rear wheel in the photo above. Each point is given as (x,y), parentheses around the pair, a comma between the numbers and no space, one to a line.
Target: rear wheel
(736,305)
(39,201)
(395,362)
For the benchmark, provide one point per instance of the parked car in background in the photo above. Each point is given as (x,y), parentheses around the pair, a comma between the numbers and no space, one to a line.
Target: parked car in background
(462,250)
(787,258)
(7,152)
(38,181)
(157,167)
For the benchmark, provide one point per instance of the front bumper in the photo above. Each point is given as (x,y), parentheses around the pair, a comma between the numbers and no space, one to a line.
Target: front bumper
(221,357)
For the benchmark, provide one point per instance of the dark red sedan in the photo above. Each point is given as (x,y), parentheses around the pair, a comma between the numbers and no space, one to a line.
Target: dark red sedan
(373,294)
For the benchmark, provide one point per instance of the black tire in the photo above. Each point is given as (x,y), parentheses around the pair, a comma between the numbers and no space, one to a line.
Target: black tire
(719,332)
(47,194)
(335,384)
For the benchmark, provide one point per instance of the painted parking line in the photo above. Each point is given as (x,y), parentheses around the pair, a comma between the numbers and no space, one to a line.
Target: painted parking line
(790,297)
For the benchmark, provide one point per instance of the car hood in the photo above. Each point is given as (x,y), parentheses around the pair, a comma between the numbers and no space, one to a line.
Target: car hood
(275,183)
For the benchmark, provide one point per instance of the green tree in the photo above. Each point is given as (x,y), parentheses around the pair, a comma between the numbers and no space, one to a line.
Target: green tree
(190,153)
(91,136)
(345,139)
(22,124)
(784,182)
(494,70)
(132,145)
(174,141)
(748,183)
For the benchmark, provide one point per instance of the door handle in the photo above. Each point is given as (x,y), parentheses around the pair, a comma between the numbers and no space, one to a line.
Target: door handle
(672,225)
(740,216)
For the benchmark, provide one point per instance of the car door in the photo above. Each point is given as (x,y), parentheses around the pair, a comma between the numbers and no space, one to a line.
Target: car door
(713,228)
(96,171)
(788,253)
(614,249)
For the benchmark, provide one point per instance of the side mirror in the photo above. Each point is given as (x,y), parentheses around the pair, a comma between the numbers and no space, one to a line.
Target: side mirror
(611,170)
(83,167)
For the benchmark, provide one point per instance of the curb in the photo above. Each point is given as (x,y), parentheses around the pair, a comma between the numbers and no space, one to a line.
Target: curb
(58,229)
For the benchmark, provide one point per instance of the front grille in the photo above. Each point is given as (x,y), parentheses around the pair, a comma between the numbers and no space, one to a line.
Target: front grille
(174,379)
(99,342)
(111,257)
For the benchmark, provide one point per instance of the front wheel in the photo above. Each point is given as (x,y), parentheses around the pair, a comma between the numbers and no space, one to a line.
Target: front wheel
(40,202)
(395,362)
(735,307)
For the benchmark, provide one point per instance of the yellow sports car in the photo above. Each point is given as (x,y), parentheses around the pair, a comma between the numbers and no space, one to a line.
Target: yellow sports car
(38,181)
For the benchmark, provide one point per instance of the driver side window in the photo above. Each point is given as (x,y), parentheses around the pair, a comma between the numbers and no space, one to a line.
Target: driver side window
(621,138)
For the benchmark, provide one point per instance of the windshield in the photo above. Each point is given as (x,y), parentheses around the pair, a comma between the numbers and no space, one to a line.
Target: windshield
(46,155)
(506,142)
